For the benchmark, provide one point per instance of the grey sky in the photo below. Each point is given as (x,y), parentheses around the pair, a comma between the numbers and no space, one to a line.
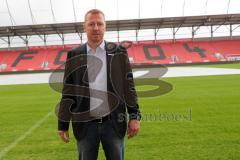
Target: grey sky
(63,10)
(27,12)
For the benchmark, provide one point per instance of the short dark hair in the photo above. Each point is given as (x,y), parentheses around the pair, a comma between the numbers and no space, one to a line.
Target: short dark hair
(93,11)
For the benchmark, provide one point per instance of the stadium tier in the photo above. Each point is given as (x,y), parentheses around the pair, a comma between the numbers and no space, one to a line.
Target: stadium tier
(144,52)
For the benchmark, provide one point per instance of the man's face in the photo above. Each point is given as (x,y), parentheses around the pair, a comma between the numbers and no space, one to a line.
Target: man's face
(95,27)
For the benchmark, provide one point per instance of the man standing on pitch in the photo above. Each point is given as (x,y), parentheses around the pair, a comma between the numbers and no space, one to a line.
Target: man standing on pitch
(98,90)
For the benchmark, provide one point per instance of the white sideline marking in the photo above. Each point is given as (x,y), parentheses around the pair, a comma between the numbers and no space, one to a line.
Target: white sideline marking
(137,74)
(36,78)
(198,71)
(22,137)
(24,78)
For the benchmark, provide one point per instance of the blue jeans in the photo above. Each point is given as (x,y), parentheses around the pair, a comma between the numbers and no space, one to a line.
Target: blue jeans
(113,146)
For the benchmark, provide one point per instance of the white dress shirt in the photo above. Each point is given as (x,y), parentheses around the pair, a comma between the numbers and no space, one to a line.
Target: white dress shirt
(97,76)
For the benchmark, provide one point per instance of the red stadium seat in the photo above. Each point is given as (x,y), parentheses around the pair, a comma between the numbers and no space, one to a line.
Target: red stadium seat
(144,52)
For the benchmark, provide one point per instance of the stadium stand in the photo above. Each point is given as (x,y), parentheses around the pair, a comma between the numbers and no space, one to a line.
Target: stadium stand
(144,52)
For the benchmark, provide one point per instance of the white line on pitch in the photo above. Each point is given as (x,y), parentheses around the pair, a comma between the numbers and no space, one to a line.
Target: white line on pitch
(22,137)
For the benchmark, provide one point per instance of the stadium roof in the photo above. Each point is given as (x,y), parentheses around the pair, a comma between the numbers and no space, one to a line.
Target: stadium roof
(49,22)
(119,25)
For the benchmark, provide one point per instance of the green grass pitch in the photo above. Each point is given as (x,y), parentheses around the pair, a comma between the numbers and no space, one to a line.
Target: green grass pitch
(198,120)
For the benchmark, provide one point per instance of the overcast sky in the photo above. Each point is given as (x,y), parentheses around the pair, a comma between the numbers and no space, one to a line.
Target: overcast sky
(39,11)
(27,12)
